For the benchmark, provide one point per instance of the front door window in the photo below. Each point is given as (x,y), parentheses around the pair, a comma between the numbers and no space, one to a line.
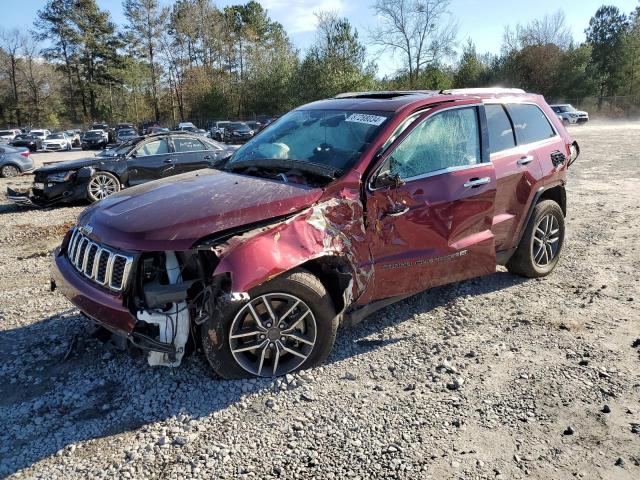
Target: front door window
(445,140)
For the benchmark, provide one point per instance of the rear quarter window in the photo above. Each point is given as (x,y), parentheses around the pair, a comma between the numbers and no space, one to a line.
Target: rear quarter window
(530,123)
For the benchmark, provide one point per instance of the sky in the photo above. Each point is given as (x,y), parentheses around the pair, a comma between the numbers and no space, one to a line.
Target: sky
(481,20)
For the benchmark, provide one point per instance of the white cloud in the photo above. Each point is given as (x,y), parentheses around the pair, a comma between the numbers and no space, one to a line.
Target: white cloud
(297,16)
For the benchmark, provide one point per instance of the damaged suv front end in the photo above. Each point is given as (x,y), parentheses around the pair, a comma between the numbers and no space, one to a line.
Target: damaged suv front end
(164,260)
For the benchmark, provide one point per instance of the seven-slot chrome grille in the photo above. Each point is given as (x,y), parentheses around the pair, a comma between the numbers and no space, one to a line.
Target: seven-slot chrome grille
(98,263)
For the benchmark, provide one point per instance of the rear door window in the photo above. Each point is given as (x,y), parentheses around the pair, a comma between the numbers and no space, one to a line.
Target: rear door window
(530,123)
(500,130)
(183,145)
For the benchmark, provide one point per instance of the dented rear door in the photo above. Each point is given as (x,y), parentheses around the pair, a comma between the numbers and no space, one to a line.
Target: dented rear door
(434,226)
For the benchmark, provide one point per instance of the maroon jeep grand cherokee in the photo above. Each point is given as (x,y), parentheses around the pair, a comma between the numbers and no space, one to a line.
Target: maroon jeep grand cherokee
(339,208)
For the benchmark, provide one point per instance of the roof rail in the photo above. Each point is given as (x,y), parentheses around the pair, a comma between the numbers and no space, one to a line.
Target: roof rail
(382,94)
(478,91)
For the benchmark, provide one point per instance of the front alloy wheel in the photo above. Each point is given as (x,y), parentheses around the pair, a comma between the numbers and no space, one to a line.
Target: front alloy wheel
(289,323)
(101,185)
(273,334)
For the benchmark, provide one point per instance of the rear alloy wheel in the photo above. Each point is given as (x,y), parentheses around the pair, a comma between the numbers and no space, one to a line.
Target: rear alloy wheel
(289,323)
(542,241)
(101,185)
(9,171)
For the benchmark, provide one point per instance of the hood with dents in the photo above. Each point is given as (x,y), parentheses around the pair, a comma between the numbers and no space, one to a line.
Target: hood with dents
(73,164)
(174,213)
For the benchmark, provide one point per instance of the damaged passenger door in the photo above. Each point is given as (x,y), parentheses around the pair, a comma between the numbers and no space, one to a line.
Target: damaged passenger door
(430,204)
(150,161)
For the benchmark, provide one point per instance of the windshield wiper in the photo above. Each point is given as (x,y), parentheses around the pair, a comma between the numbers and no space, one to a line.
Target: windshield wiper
(304,166)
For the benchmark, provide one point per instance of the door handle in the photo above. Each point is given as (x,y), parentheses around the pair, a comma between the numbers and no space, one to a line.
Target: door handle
(397,211)
(168,160)
(207,157)
(525,160)
(476,182)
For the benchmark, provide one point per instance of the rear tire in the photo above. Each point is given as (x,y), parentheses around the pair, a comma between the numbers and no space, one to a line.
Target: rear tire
(302,320)
(8,171)
(541,244)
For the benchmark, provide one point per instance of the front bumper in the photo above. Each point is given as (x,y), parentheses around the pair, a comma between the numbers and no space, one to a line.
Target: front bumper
(52,194)
(103,307)
(99,144)
(54,147)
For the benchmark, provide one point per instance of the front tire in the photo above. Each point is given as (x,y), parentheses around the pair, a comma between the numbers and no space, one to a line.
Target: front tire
(101,185)
(289,323)
(539,250)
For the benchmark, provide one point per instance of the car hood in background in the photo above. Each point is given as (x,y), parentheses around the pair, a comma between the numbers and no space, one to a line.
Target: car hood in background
(174,213)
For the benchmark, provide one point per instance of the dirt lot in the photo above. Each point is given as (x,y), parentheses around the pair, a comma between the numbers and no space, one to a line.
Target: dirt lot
(497,377)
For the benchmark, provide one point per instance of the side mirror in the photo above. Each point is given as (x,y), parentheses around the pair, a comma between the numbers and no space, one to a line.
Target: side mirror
(388,179)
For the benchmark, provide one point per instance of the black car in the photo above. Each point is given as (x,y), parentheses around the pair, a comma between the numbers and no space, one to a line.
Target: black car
(132,163)
(94,139)
(237,132)
(255,126)
(28,141)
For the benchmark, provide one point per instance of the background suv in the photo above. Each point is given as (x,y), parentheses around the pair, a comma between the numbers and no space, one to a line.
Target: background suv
(569,114)
(340,208)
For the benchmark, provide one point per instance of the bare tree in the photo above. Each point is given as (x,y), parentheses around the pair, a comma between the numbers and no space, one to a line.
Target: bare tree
(423,30)
(548,30)
(10,42)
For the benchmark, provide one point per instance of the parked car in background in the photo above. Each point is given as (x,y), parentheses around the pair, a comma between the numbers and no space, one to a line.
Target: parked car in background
(94,139)
(237,132)
(342,207)
(9,135)
(124,126)
(27,140)
(100,126)
(132,163)
(56,142)
(183,125)
(146,126)
(74,136)
(255,126)
(125,134)
(194,130)
(217,130)
(14,161)
(152,130)
(569,114)
(40,133)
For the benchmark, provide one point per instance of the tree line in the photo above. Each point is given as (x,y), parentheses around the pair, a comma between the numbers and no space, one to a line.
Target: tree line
(194,61)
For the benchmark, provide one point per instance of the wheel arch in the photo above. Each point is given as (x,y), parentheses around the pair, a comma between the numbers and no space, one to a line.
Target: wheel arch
(10,163)
(558,194)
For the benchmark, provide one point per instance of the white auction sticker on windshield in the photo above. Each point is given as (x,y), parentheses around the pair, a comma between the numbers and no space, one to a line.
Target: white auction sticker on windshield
(364,118)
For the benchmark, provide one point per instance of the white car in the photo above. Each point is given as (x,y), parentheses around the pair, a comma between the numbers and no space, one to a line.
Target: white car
(57,142)
(41,134)
(568,114)
(183,125)
(9,135)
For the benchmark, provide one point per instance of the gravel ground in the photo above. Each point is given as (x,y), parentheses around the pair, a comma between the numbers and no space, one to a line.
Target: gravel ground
(497,377)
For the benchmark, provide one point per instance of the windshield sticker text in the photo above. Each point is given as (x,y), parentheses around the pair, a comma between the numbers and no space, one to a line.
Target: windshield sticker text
(364,118)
